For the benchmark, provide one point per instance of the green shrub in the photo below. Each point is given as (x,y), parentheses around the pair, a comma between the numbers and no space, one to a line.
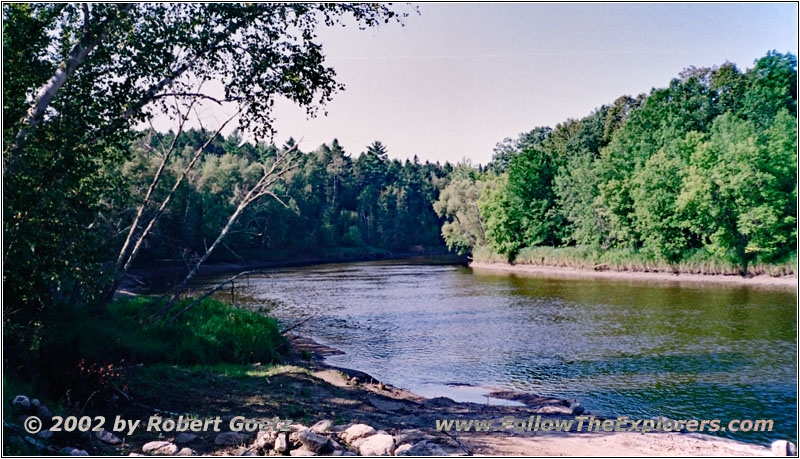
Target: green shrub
(83,353)
(353,237)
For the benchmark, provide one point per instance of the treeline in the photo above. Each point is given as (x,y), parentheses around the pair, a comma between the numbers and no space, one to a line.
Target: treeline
(700,175)
(329,199)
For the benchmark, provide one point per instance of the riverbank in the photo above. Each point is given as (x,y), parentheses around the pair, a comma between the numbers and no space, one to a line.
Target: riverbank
(344,408)
(788,282)
(144,280)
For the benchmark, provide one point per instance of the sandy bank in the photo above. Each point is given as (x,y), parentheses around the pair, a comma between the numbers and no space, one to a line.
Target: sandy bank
(762,281)
(399,410)
(305,390)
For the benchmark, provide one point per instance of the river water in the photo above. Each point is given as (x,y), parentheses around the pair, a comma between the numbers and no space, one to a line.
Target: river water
(620,348)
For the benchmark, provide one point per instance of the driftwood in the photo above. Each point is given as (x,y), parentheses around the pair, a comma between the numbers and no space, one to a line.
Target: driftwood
(287,330)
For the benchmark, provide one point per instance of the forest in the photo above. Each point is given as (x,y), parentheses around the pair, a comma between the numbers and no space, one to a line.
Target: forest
(698,176)
(330,199)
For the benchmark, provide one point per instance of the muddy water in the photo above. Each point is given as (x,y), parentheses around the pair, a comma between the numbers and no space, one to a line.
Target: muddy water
(621,348)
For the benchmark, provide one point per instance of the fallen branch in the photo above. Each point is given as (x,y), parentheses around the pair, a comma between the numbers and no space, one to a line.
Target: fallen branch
(283,163)
(296,325)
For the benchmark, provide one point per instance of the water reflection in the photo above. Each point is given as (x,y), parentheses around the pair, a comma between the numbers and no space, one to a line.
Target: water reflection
(621,348)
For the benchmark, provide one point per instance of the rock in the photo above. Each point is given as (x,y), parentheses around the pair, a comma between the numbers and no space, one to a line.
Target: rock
(554,409)
(107,437)
(35,443)
(424,448)
(35,403)
(357,431)
(265,439)
(78,452)
(335,445)
(381,444)
(410,436)
(21,403)
(314,442)
(577,409)
(302,452)
(439,402)
(402,449)
(341,428)
(13,428)
(44,414)
(185,452)
(322,426)
(783,448)
(45,434)
(185,437)
(229,439)
(65,451)
(281,444)
(160,448)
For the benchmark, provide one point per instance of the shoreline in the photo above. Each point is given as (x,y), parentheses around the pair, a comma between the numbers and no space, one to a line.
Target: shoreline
(362,399)
(142,280)
(542,443)
(760,281)
(307,393)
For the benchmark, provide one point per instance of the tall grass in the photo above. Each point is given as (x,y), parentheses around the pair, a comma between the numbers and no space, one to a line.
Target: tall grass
(583,257)
(211,332)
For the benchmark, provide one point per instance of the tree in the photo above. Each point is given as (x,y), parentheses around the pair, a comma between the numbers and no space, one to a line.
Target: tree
(79,76)
(702,169)
(463,229)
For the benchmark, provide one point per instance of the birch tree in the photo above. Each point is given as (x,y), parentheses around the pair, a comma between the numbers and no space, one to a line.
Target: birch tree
(272,173)
(78,78)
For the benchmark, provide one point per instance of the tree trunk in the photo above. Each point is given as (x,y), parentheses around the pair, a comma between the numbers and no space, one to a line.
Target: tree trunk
(48,91)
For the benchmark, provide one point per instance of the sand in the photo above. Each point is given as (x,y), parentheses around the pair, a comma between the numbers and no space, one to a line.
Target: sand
(761,281)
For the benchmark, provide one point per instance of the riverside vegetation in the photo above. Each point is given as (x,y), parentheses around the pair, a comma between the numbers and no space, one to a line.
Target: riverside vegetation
(698,177)
(700,173)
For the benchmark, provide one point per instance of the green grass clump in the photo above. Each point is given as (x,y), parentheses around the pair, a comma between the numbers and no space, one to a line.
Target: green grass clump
(485,255)
(211,332)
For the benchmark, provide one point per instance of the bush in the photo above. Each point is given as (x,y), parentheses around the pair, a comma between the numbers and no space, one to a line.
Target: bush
(353,237)
(83,353)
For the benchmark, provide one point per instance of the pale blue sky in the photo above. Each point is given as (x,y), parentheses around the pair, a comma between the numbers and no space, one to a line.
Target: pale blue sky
(458,78)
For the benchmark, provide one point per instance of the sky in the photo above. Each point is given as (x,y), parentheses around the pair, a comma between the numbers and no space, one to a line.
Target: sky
(457,79)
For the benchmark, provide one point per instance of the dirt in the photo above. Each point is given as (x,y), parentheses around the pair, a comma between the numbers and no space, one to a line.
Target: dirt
(761,281)
(307,390)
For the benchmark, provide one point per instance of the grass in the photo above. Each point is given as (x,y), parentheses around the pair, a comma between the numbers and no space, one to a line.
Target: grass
(581,257)
(485,254)
(211,332)
(78,356)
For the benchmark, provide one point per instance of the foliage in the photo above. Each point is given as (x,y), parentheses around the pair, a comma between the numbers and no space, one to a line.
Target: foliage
(457,203)
(333,200)
(701,173)
(78,353)
(119,65)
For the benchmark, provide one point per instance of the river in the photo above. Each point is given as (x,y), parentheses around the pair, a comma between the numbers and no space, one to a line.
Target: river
(619,347)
